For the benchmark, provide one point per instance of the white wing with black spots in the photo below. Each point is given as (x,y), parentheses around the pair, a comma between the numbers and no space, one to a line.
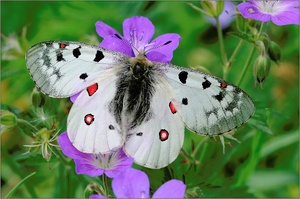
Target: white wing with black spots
(92,127)
(62,69)
(157,141)
(133,103)
(209,105)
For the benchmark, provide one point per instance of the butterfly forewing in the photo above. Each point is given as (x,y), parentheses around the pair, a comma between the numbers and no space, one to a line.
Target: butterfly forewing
(209,105)
(62,69)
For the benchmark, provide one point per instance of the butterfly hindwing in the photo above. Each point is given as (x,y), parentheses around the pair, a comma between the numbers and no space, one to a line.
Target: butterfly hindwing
(157,141)
(62,68)
(92,127)
(209,105)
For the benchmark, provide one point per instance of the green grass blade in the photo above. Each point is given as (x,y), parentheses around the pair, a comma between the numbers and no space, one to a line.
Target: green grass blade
(18,185)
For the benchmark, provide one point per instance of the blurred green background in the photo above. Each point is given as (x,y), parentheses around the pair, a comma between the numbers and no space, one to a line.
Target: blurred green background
(265,164)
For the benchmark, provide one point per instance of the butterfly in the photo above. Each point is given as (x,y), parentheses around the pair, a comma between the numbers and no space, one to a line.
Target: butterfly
(134,103)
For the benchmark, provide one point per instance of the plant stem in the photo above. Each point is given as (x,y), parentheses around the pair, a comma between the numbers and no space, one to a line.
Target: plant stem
(246,65)
(198,146)
(237,48)
(27,123)
(260,30)
(105,184)
(61,157)
(222,48)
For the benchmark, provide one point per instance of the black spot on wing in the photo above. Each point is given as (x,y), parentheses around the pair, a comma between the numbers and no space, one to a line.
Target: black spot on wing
(139,134)
(47,61)
(111,127)
(83,76)
(231,106)
(183,76)
(59,56)
(99,55)
(76,52)
(219,97)
(206,84)
(57,73)
(49,44)
(185,101)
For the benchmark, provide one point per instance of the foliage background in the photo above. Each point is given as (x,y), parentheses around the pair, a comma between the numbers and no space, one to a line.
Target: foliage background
(265,164)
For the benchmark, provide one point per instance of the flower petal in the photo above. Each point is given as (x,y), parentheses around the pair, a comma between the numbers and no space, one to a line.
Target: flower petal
(97,196)
(116,44)
(138,31)
(112,40)
(85,167)
(119,164)
(249,10)
(291,16)
(157,57)
(105,30)
(131,183)
(69,150)
(74,97)
(289,3)
(164,44)
(171,189)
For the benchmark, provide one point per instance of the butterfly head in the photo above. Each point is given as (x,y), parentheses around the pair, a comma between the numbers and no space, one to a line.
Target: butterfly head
(139,66)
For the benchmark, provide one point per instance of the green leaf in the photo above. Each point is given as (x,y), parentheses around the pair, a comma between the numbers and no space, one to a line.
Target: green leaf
(244,36)
(271,180)
(279,142)
(260,121)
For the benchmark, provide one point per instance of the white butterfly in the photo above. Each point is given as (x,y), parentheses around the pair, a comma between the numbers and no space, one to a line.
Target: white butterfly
(134,103)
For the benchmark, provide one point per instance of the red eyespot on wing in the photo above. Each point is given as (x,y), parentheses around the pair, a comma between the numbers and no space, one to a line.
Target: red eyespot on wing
(92,89)
(88,119)
(163,135)
(62,46)
(223,85)
(172,107)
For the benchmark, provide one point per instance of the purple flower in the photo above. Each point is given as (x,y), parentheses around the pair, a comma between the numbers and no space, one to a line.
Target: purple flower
(138,32)
(95,164)
(133,183)
(280,12)
(226,17)
(96,196)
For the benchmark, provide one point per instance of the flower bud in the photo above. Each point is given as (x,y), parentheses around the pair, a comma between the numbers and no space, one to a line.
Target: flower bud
(194,192)
(274,51)
(89,190)
(8,118)
(8,121)
(261,68)
(37,98)
(93,189)
(44,139)
(266,41)
(219,7)
(213,8)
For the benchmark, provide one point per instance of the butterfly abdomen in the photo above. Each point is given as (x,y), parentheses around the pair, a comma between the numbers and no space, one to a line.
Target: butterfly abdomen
(134,93)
